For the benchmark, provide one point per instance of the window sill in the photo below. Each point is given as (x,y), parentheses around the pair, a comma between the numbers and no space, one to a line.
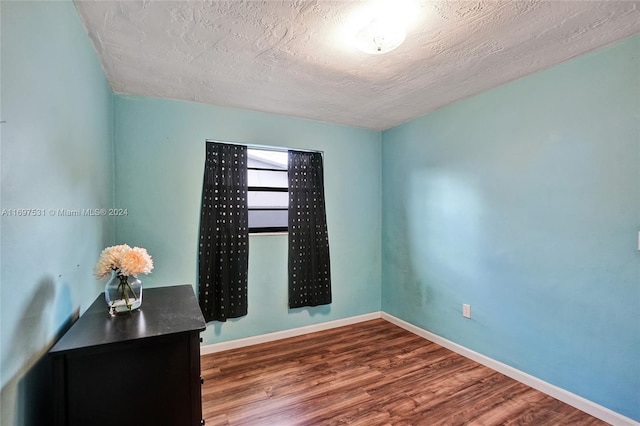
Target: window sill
(261,234)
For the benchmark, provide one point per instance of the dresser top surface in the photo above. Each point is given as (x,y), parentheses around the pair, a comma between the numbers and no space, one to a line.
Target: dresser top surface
(164,311)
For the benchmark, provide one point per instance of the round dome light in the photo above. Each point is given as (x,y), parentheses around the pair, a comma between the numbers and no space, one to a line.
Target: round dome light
(379,37)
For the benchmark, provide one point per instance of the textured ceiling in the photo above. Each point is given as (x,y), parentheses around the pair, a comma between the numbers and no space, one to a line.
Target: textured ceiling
(290,57)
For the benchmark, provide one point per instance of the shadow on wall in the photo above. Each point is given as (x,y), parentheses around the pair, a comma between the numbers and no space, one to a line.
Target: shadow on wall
(406,292)
(26,399)
(312,311)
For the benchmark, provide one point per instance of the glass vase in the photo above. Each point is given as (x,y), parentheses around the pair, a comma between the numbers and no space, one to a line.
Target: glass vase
(123,293)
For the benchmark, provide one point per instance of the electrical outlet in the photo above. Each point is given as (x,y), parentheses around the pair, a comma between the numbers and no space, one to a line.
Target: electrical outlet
(466,310)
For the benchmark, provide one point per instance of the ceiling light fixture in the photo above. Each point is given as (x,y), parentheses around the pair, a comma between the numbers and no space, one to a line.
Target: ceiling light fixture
(379,37)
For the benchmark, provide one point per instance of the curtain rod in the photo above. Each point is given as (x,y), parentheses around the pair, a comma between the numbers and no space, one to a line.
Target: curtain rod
(264,147)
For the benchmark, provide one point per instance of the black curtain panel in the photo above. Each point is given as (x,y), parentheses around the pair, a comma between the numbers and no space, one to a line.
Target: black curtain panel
(224,237)
(309,269)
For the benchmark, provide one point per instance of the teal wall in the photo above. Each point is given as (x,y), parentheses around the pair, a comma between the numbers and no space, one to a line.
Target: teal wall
(524,202)
(160,147)
(56,153)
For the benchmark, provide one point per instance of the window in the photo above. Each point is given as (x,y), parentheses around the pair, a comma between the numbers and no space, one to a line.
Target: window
(253,190)
(267,196)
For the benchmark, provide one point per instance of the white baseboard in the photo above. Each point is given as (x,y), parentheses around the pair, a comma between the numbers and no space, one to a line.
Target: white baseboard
(270,337)
(567,397)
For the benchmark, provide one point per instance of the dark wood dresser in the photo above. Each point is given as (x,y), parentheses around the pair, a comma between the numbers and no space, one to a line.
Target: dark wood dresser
(141,368)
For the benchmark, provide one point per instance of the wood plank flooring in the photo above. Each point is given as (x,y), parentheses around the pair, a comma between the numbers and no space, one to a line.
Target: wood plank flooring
(371,373)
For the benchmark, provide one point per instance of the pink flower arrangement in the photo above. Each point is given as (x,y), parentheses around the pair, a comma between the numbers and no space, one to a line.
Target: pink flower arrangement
(124,260)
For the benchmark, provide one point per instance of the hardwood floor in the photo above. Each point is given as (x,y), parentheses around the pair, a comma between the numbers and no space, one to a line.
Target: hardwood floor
(371,373)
